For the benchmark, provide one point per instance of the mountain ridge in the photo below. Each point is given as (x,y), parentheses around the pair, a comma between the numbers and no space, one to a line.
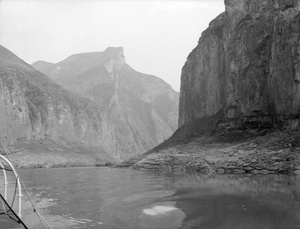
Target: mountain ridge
(141,105)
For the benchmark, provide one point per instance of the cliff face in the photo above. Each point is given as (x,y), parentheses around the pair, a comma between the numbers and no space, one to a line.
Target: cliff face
(140,110)
(239,101)
(33,107)
(247,67)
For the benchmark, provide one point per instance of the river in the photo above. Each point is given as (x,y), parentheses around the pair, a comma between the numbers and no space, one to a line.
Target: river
(113,198)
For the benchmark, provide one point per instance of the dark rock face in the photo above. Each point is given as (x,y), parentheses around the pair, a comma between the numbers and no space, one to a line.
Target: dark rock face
(140,110)
(246,65)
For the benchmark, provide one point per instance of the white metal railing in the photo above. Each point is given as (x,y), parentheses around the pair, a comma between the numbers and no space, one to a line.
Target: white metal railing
(5,181)
(18,183)
(5,186)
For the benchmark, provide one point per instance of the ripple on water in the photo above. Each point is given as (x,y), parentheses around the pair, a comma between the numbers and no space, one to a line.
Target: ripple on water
(153,194)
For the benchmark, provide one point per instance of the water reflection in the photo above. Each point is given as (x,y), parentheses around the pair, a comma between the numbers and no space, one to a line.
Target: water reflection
(122,198)
(238,201)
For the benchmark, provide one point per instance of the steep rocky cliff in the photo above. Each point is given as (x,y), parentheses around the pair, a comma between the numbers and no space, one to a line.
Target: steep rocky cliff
(240,95)
(33,107)
(140,110)
(246,66)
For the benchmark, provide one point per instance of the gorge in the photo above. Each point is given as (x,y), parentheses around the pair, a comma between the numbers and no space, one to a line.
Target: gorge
(238,108)
(224,153)
(107,112)
(140,110)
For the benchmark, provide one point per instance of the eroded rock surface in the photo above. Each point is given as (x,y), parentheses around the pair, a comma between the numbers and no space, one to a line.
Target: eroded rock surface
(247,65)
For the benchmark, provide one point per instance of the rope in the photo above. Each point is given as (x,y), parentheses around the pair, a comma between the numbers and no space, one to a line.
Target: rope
(41,218)
(10,170)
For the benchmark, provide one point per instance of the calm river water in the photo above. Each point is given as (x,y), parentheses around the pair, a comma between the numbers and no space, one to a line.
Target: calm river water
(123,198)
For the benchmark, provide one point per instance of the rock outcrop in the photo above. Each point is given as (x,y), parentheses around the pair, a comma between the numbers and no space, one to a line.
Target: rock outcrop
(246,65)
(140,110)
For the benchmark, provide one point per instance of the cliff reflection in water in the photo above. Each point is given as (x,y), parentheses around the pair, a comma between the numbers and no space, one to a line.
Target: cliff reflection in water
(239,202)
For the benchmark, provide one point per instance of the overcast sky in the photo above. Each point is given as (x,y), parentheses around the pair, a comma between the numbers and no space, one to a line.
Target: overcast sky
(157,36)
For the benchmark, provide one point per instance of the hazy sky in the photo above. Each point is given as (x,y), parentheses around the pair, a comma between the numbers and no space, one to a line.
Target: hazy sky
(157,36)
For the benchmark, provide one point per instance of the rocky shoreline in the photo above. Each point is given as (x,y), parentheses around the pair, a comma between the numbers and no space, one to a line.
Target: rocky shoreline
(274,153)
(35,160)
(50,154)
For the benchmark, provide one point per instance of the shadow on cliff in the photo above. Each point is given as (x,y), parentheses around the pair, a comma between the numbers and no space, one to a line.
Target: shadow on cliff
(208,129)
(210,132)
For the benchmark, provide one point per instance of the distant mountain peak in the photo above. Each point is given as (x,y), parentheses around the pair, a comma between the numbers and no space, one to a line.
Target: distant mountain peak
(113,49)
(116,59)
(39,62)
